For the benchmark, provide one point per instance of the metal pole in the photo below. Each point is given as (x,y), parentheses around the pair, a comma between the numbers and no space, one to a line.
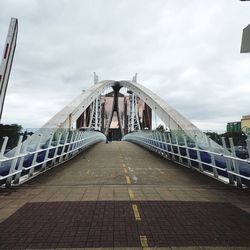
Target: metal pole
(229,166)
(14,161)
(235,163)
(215,172)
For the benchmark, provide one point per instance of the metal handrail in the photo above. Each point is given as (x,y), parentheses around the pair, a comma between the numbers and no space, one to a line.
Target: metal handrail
(78,141)
(157,142)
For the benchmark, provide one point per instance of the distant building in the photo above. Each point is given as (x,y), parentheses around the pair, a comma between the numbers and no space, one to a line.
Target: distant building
(144,113)
(234,126)
(245,124)
(240,126)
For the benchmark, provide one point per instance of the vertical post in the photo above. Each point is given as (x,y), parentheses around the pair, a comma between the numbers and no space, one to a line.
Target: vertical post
(187,151)
(215,172)
(14,161)
(75,141)
(70,144)
(47,151)
(96,113)
(57,147)
(198,153)
(248,145)
(235,163)
(147,137)
(133,112)
(171,146)
(4,146)
(20,165)
(178,148)
(229,168)
(166,145)
(79,143)
(70,120)
(158,144)
(35,155)
(63,149)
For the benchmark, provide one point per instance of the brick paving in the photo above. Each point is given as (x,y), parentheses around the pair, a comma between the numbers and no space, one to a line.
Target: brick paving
(120,196)
(113,224)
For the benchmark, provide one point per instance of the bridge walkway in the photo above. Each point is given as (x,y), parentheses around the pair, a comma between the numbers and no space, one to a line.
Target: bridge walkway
(120,195)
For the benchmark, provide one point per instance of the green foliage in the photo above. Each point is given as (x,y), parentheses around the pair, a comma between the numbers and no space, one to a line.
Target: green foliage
(12,131)
(239,138)
(215,137)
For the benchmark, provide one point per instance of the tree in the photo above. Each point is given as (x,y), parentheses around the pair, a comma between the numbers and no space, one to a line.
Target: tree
(12,131)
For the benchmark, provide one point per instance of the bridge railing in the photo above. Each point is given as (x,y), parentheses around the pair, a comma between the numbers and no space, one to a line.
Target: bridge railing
(35,155)
(179,148)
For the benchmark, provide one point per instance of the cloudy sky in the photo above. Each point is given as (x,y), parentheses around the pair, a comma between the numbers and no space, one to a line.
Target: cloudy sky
(187,52)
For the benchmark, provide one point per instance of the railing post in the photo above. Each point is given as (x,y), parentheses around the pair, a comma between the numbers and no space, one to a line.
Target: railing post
(70,144)
(248,145)
(171,146)
(74,144)
(187,151)
(235,163)
(4,147)
(63,149)
(39,156)
(178,148)
(47,151)
(20,165)
(151,140)
(14,161)
(198,154)
(35,155)
(229,168)
(158,144)
(80,144)
(215,172)
(147,138)
(57,147)
(164,142)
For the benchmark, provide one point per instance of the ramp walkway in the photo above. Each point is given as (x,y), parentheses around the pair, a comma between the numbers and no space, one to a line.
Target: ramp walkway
(118,196)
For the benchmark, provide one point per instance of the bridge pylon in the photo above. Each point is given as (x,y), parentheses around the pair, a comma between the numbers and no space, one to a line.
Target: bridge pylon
(6,64)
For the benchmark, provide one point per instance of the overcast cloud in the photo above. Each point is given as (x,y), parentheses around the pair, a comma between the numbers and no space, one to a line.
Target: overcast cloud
(187,52)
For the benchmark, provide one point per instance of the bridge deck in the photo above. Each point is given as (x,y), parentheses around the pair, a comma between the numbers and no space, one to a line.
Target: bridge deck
(120,195)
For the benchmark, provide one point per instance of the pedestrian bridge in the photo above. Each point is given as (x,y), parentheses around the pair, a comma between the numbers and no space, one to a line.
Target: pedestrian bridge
(65,188)
(121,195)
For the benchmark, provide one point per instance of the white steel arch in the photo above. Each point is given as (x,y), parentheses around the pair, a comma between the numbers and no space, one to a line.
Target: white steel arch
(70,113)
(171,117)
(6,64)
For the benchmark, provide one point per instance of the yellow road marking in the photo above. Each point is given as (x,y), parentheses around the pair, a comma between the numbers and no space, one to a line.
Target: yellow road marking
(88,171)
(131,194)
(144,240)
(128,179)
(160,171)
(125,170)
(124,165)
(136,212)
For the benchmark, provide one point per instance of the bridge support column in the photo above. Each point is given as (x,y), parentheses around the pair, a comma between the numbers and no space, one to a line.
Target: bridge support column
(115,108)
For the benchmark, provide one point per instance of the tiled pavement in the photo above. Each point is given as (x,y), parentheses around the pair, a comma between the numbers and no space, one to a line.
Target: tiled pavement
(119,195)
